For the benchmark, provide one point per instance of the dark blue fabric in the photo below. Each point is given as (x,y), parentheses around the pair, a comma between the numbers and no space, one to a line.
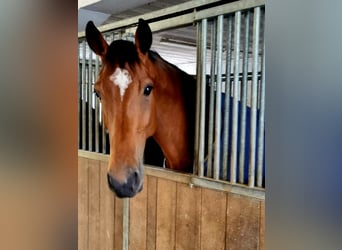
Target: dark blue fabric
(247,141)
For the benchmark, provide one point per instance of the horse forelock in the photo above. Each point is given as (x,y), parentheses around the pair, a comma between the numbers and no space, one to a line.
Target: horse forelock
(121,52)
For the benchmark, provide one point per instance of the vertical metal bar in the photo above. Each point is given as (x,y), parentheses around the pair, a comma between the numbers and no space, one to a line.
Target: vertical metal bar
(83,95)
(261,122)
(90,101)
(233,154)
(211,98)
(104,131)
(244,100)
(203,94)
(104,134)
(217,144)
(198,94)
(125,224)
(256,21)
(227,99)
(97,114)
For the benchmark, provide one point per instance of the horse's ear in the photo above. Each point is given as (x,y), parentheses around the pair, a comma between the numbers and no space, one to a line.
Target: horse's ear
(143,37)
(95,39)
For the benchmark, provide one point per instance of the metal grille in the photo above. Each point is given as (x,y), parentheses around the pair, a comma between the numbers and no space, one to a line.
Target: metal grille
(230,136)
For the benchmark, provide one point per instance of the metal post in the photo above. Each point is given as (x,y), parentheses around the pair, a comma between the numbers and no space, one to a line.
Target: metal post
(97,113)
(256,21)
(90,101)
(244,100)
(211,98)
(125,226)
(261,122)
(83,95)
(233,149)
(217,144)
(227,99)
(198,96)
(203,86)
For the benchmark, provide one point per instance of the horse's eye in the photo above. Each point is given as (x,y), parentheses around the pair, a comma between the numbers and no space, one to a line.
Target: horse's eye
(148,90)
(97,94)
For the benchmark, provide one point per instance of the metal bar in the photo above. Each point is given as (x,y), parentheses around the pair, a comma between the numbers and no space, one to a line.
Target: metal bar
(198,96)
(211,98)
(90,101)
(227,100)
(229,8)
(251,174)
(104,131)
(233,148)
(97,113)
(217,144)
(244,100)
(125,224)
(104,134)
(261,123)
(83,96)
(203,94)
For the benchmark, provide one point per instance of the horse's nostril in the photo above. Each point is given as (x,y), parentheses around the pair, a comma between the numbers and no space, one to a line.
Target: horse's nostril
(128,188)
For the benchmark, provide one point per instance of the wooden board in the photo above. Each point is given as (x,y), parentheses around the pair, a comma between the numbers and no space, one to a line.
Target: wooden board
(151,213)
(118,223)
(166,214)
(243,223)
(138,220)
(94,204)
(262,225)
(106,211)
(188,218)
(213,223)
(82,203)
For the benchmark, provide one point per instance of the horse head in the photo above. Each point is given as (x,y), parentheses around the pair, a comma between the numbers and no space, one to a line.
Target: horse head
(142,97)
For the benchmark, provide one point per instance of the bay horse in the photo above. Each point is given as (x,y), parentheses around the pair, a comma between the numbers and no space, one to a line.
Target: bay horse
(142,96)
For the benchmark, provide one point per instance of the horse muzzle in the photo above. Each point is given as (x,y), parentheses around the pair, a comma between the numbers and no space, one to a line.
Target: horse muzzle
(128,188)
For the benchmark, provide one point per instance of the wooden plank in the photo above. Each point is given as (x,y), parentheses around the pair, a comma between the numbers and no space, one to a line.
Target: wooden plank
(82,203)
(151,212)
(138,220)
(106,211)
(243,215)
(205,182)
(94,204)
(118,223)
(188,217)
(166,213)
(213,221)
(262,225)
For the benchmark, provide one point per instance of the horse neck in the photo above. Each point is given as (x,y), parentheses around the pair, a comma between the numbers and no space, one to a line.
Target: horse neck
(176,117)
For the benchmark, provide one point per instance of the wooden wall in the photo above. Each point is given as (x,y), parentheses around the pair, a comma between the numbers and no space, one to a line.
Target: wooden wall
(166,215)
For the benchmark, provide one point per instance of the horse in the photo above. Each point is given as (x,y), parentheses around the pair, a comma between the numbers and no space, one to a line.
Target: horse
(143,96)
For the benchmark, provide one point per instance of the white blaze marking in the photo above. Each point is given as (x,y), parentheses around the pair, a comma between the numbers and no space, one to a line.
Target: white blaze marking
(122,79)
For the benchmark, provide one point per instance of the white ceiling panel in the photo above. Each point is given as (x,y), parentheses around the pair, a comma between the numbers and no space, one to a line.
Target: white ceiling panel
(116,6)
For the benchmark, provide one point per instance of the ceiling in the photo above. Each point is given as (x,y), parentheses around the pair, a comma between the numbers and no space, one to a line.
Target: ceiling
(108,11)
(177,46)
